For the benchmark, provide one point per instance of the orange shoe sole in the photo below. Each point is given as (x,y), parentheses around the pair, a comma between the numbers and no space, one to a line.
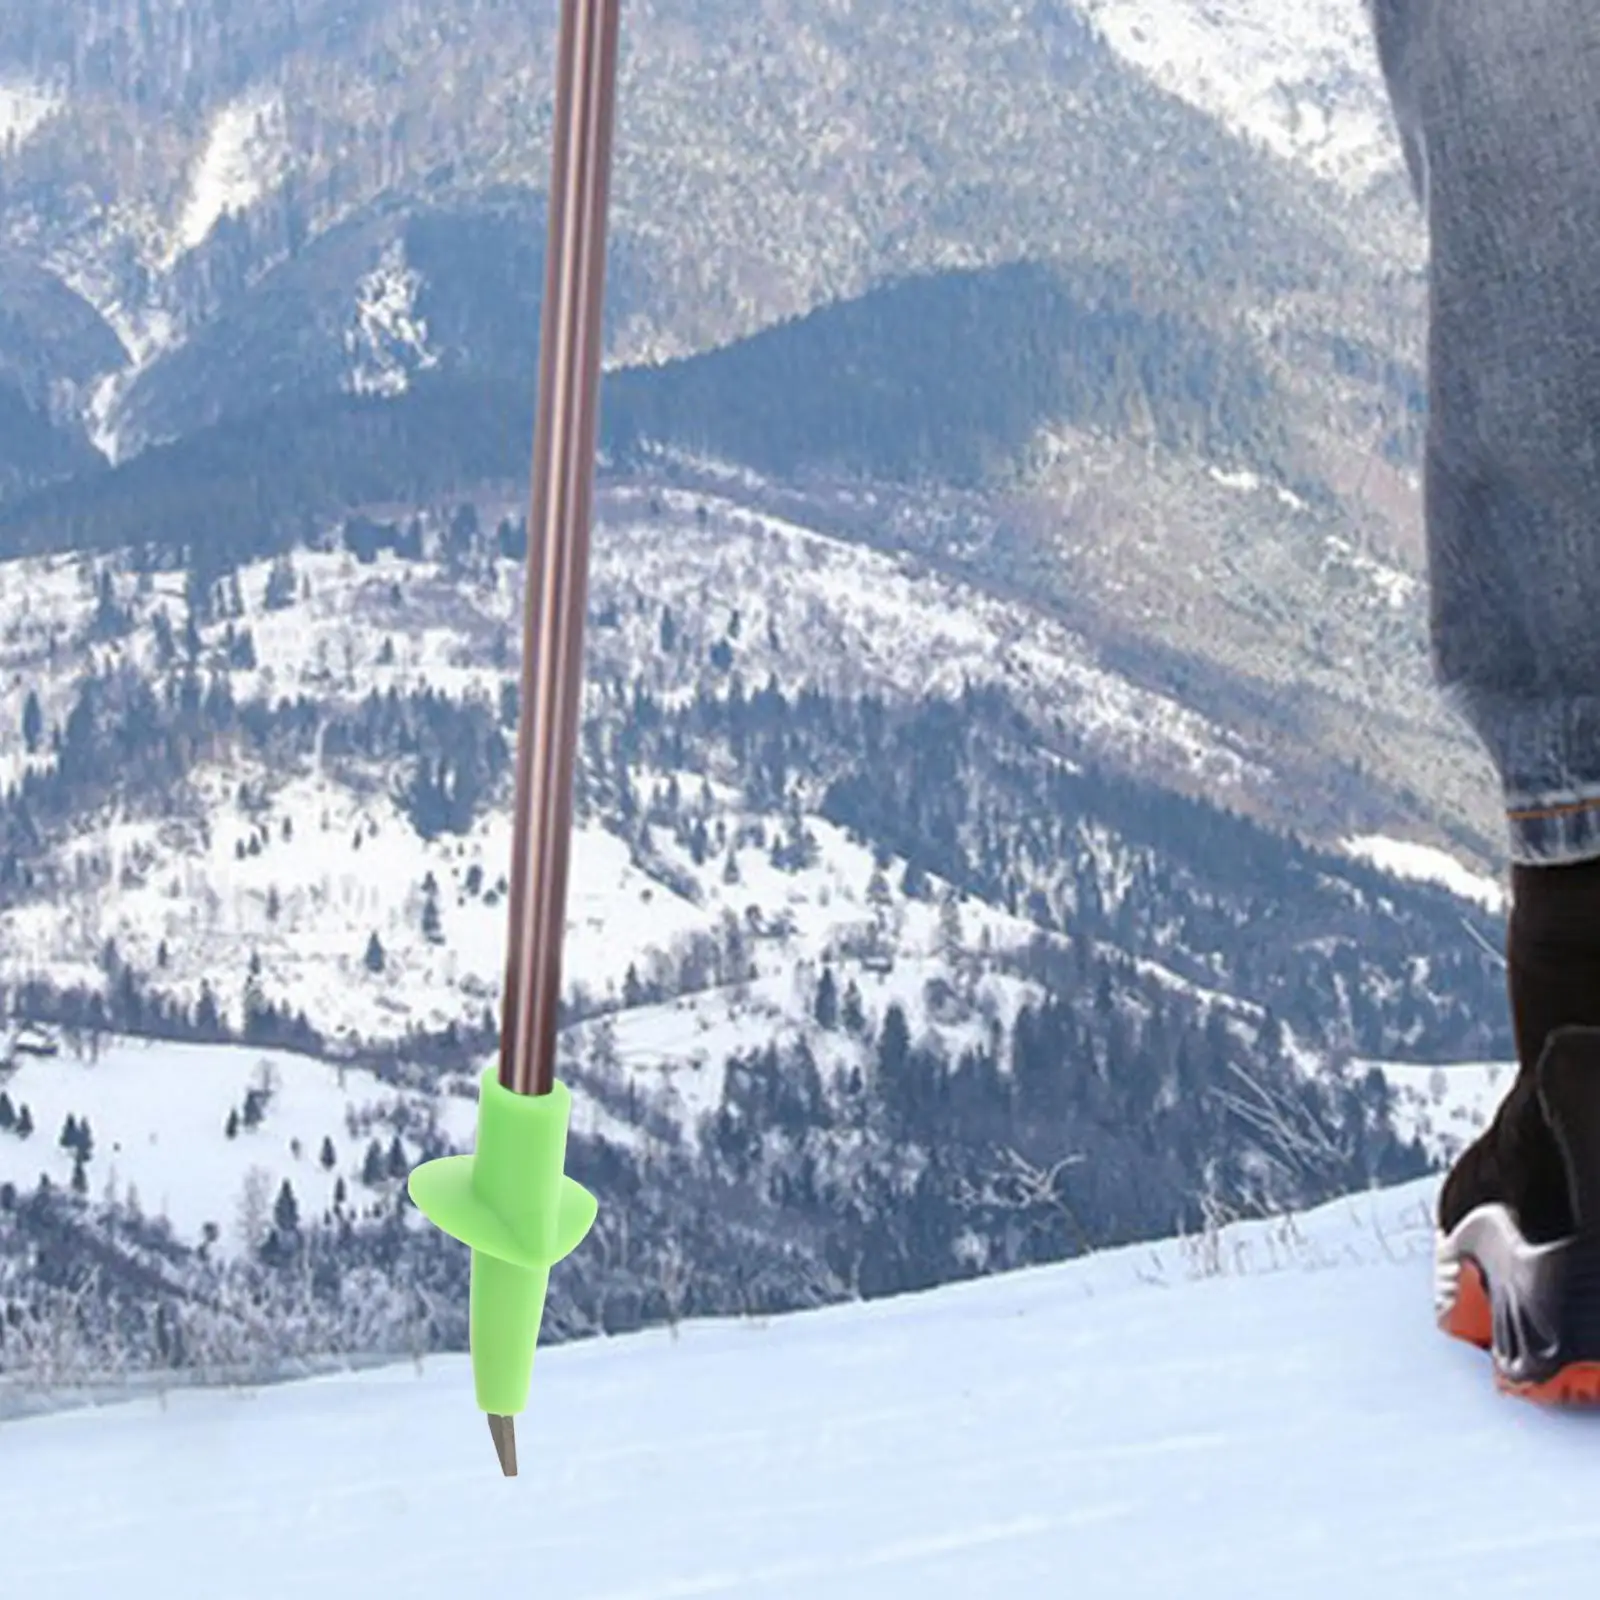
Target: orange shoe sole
(1468,1317)
(1577,1385)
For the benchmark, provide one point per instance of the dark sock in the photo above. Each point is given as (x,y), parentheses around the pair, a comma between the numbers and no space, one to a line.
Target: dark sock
(1553,952)
(1553,973)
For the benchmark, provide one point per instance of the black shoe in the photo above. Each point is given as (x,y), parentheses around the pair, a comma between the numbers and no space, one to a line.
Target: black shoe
(1517,1263)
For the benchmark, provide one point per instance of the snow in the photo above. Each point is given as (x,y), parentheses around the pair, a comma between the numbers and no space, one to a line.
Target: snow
(1429,865)
(24,107)
(242,160)
(157,1113)
(1445,1106)
(100,416)
(304,898)
(96,269)
(882,622)
(1269,1412)
(1305,85)
(387,339)
(1395,587)
(1247,482)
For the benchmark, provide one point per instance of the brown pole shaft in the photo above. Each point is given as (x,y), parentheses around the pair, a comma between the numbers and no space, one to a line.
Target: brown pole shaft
(558,539)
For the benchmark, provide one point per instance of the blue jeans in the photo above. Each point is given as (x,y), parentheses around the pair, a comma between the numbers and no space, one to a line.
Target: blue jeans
(1498,108)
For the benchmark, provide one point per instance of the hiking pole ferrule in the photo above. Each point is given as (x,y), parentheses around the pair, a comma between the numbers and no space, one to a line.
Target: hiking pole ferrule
(512,1203)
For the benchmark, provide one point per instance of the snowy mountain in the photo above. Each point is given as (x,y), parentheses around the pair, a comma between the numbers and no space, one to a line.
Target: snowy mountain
(1000,830)
(899,947)
(166,194)
(355,710)
(1303,83)
(1268,1406)
(320,209)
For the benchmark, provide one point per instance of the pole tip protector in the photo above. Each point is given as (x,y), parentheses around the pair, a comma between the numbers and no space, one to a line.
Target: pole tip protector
(511,1202)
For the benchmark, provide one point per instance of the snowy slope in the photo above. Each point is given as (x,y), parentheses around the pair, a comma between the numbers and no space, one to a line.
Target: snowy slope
(1422,862)
(24,105)
(388,338)
(158,1112)
(244,155)
(814,610)
(1301,80)
(1134,1425)
(1445,1106)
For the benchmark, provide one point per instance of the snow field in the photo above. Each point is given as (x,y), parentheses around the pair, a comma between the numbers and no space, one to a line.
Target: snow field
(1271,1414)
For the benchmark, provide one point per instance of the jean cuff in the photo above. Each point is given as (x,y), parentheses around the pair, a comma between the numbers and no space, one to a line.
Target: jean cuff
(1547,751)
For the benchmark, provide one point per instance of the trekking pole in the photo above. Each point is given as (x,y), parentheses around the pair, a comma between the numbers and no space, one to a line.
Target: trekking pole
(511,1200)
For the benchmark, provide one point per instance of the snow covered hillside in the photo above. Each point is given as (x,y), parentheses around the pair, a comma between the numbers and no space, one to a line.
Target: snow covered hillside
(1428,865)
(1264,1413)
(1446,1107)
(1301,80)
(23,107)
(243,153)
(301,868)
(271,804)
(204,1135)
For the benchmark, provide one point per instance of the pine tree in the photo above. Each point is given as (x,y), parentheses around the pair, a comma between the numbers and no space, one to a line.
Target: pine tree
(1104,997)
(166,646)
(398,1165)
(851,1014)
(8,1112)
(329,1157)
(231,1126)
(80,1178)
(280,590)
(951,933)
(374,958)
(826,1009)
(894,1047)
(286,1211)
(25,1123)
(372,1165)
(207,1019)
(69,1133)
(32,723)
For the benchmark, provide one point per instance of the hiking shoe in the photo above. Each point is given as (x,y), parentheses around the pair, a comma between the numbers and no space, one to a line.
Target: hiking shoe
(1517,1258)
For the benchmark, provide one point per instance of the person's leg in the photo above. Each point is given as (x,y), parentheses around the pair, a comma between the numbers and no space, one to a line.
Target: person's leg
(1507,102)
(1553,979)
(1499,110)
(1553,951)
(1506,105)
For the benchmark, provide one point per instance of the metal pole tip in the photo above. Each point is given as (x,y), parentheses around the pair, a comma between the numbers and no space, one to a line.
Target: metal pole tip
(504,1433)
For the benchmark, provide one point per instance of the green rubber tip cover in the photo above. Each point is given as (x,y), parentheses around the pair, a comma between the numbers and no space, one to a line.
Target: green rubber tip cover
(512,1203)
